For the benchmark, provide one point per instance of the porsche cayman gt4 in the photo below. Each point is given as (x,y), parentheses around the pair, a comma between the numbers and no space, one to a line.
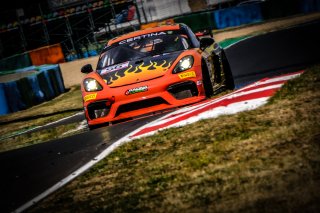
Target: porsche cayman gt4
(144,72)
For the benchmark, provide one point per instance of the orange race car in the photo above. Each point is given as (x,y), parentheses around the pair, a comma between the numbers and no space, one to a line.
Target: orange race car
(146,71)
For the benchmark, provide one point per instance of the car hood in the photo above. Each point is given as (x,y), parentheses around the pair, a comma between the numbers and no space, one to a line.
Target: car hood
(138,70)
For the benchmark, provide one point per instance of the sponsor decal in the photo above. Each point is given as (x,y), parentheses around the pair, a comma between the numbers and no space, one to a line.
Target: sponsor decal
(136,90)
(137,72)
(90,97)
(191,74)
(141,37)
(115,67)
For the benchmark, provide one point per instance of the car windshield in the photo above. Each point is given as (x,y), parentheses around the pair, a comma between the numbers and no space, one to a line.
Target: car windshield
(134,50)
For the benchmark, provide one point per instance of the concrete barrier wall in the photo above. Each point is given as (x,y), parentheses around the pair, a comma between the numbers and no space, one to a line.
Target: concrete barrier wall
(32,85)
(38,84)
(4,108)
(237,16)
(13,97)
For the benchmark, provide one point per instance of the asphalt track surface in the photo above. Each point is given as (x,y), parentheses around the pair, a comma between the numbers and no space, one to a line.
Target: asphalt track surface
(27,172)
(275,53)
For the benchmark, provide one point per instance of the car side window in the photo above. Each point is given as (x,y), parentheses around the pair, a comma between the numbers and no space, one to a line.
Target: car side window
(185,43)
(193,38)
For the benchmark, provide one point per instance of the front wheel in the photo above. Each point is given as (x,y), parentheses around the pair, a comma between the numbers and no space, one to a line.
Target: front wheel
(228,78)
(92,127)
(206,79)
(222,75)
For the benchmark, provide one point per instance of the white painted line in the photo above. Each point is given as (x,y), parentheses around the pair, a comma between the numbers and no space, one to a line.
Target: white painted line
(38,127)
(62,119)
(82,125)
(237,42)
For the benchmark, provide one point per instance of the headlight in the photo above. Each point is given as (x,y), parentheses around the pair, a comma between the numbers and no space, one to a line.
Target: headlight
(184,64)
(91,85)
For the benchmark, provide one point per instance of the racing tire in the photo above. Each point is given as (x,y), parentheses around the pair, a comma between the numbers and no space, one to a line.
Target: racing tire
(229,82)
(92,127)
(217,69)
(207,84)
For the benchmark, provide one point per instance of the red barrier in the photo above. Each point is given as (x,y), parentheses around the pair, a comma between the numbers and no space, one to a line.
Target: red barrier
(155,24)
(47,55)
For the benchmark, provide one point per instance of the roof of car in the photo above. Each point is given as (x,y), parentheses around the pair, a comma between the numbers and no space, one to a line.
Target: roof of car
(145,31)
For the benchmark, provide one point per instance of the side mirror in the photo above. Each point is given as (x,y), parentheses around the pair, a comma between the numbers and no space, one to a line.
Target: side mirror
(205,42)
(86,68)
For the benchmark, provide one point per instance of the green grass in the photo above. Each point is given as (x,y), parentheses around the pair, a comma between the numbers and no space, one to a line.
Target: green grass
(264,160)
(40,136)
(60,107)
(227,42)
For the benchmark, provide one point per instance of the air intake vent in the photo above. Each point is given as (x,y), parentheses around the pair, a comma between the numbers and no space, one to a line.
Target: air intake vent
(140,105)
(183,90)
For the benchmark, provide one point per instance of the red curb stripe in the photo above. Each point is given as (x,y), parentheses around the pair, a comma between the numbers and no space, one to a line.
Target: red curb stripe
(224,102)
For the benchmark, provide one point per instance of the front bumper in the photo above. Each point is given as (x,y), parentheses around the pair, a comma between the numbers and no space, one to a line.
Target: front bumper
(162,93)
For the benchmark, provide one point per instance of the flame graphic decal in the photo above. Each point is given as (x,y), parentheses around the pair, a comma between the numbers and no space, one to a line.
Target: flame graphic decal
(135,74)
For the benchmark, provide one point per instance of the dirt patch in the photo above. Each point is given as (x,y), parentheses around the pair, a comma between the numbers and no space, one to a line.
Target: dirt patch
(71,70)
